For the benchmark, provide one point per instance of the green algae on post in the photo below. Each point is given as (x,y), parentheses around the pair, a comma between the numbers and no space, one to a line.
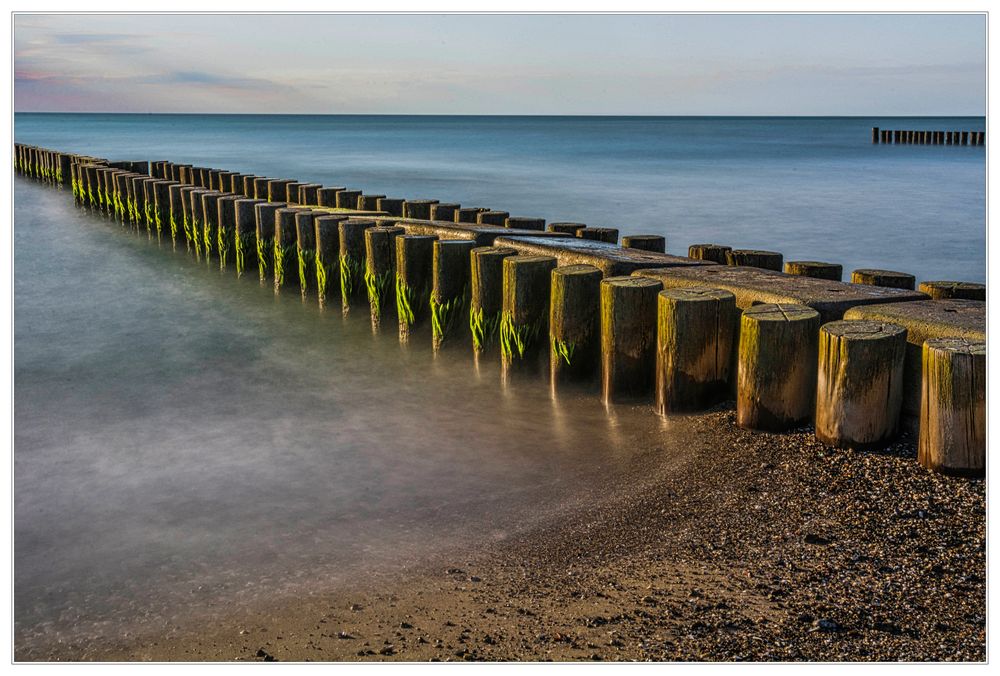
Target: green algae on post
(486,302)
(450,287)
(380,269)
(414,260)
(574,332)
(305,246)
(327,232)
(525,314)
(352,257)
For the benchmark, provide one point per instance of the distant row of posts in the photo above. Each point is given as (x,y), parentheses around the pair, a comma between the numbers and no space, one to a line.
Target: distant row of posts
(935,138)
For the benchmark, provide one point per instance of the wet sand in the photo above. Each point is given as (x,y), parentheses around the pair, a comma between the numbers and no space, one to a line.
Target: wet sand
(752,547)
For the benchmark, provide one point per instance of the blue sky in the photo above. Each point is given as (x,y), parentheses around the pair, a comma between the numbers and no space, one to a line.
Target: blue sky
(503,64)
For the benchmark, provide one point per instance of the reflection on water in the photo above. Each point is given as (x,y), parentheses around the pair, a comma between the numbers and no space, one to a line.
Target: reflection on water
(184,438)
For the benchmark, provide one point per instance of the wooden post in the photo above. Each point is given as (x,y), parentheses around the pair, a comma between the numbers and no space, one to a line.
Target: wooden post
(327,197)
(568,228)
(292,192)
(309,194)
(420,209)
(265,212)
(348,199)
(943,290)
(859,389)
(769,260)
(225,244)
(353,292)
(305,246)
(875,131)
(965,138)
(245,242)
(628,337)
(185,215)
(327,256)
(414,261)
(776,379)
(815,269)
(953,407)
(525,315)
(709,252)
(210,222)
(249,181)
(887,278)
(390,205)
(449,288)
(696,341)
(609,235)
(574,324)
(486,302)
(656,243)
(369,202)
(285,248)
(444,212)
(380,271)
(492,217)
(176,211)
(468,214)
(277,189)
(525,223)
(196,213)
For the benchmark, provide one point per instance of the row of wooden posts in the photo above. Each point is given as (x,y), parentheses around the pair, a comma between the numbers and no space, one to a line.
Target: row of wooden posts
(685,349)
(936,138)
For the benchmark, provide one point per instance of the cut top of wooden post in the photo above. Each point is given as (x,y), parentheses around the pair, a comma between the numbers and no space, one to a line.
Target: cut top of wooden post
(887,278)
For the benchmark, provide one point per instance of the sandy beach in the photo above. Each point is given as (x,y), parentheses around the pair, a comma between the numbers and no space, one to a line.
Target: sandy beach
(752,547)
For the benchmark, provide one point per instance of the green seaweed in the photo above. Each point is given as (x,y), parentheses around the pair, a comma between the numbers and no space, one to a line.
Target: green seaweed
(263,245)
(307,257)
(350,270)
(322,276)
(378,286)
(59,176)
(516,337)
(186,223)
(563,349)
(444,316)
(150,218)
(222,244)
(242,246)
(196,235)
(173,226)
(158,217)
(91,200)
(281,254)
(483,328)
(207,238)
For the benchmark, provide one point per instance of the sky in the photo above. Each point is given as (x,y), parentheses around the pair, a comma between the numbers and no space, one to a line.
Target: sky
(877,65)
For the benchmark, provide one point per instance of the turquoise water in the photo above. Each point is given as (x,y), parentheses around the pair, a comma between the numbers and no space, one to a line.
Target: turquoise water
(812,188)
(187,442)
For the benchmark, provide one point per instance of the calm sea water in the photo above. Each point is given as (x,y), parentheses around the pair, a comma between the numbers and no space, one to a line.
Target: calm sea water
(812,188)
(187,442)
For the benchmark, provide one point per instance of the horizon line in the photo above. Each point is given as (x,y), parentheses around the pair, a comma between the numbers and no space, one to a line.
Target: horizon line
(68,112)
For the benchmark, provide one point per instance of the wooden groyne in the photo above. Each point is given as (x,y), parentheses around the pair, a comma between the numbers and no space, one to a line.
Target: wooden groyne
(789,341)
(928,138)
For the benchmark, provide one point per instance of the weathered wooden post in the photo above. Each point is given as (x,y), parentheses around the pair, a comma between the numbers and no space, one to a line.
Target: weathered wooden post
(769,260)
(149,202)
(266,217)
(176,211)
(292,192)
(468,214)
(875,131)
(574,324)
(246,234)
(210,223)
(525,223)
(348,199)
(277,189)
(965,138)
(939,290)
(444,212)
(196,212)
(309,194)
(305,244)
(327,197)
(859,389)
(380,271)
(567,228)
(887,278)
(420,209)
(628,337)
(709,252)
(327,256)
(369,202)
(696,341)
(449,288)
(161,205)
(249,180)
(776,380)
(226,243)
(815,269)
(656,243)
(492,217)
(352,262)
(414,260)
(609,235)
(122,183)
(285,248)
(260,187)
(486,303)
(953,407)
(390,205)
(947,138)
(525,315)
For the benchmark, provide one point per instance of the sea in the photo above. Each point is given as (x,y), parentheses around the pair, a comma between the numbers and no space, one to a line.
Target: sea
(187,442)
